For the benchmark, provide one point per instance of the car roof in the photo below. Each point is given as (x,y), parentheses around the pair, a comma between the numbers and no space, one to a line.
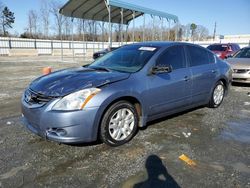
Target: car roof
(161,44)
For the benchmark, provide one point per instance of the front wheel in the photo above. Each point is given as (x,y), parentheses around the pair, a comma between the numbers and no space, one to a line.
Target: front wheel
(217,95)
(119,124)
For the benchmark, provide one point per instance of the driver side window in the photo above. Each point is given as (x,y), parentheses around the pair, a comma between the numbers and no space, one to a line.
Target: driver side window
(173,56)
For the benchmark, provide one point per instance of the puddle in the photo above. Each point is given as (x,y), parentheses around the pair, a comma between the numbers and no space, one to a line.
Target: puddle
(238,131)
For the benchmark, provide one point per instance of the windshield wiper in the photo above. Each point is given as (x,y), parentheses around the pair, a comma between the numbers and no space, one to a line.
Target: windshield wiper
(100,68)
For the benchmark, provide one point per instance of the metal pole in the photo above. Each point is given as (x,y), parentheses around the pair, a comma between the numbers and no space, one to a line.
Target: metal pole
(93,31)
(153,34)
(72,45)
(121,31)
(102,34)
(10,46)
(143,32)
(83,33)
(93,40)
(61,44)
(111,34)
(127,34)
(110,27)
(52,46)
(133,36)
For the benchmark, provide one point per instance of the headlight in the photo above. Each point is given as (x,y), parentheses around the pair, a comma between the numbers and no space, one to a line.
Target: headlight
(77,100)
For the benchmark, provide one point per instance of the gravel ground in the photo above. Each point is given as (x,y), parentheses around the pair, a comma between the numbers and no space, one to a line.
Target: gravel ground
(219,144)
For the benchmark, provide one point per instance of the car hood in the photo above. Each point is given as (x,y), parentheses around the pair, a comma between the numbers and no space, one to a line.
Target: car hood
(66,81)
(239,63)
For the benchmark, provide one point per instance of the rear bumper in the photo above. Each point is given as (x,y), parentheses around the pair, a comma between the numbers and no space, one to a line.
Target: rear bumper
(63,127)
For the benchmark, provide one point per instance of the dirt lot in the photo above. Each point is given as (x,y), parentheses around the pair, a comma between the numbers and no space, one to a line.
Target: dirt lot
(219,144)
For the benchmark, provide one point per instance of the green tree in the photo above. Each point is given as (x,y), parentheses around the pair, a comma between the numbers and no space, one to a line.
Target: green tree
(7,19)
(193,27)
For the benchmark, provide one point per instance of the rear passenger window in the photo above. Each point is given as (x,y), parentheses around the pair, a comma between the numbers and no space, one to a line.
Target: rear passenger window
(211,57)
(198,56)
(173,56)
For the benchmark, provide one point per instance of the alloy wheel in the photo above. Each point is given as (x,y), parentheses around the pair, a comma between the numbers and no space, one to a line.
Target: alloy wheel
(218,94)
(121,124)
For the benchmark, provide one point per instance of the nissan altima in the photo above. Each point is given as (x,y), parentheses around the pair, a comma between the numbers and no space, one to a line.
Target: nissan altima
(122,91)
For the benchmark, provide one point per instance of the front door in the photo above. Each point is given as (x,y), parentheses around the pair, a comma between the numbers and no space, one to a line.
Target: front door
(169,91)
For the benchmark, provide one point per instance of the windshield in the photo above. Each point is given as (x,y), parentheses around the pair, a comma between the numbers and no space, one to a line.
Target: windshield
(127,59)
(217,47)
(243,53)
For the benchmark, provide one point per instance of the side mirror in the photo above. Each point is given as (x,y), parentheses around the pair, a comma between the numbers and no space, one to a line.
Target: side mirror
(159,69)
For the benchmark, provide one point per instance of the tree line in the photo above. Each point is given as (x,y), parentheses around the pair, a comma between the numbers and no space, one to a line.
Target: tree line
(48,23)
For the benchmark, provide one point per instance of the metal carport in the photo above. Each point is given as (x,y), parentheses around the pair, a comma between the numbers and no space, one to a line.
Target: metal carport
(111,11)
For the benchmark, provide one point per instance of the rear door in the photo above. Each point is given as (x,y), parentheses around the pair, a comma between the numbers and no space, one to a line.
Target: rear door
(170,91)
(204,72)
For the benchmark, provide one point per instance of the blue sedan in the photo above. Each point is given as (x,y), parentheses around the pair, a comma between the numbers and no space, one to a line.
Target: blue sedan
(123,90)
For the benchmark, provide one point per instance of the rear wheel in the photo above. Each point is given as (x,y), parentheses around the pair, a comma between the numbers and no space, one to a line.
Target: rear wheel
(119,124)
(217,95)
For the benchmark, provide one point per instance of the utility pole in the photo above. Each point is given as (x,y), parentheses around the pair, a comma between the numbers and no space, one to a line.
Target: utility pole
(215,26)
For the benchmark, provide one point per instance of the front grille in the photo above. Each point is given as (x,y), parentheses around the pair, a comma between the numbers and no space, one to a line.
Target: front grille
(32,97)
(241,71)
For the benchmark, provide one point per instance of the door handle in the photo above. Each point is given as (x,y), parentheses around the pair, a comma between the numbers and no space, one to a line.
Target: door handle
(214,71)
(186,78)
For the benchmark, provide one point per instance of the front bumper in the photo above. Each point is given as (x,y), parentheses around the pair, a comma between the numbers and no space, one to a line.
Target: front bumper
(241,78)
(64,127)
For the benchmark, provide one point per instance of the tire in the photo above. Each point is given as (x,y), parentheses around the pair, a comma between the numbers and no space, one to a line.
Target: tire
(217,96)
(119,124)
